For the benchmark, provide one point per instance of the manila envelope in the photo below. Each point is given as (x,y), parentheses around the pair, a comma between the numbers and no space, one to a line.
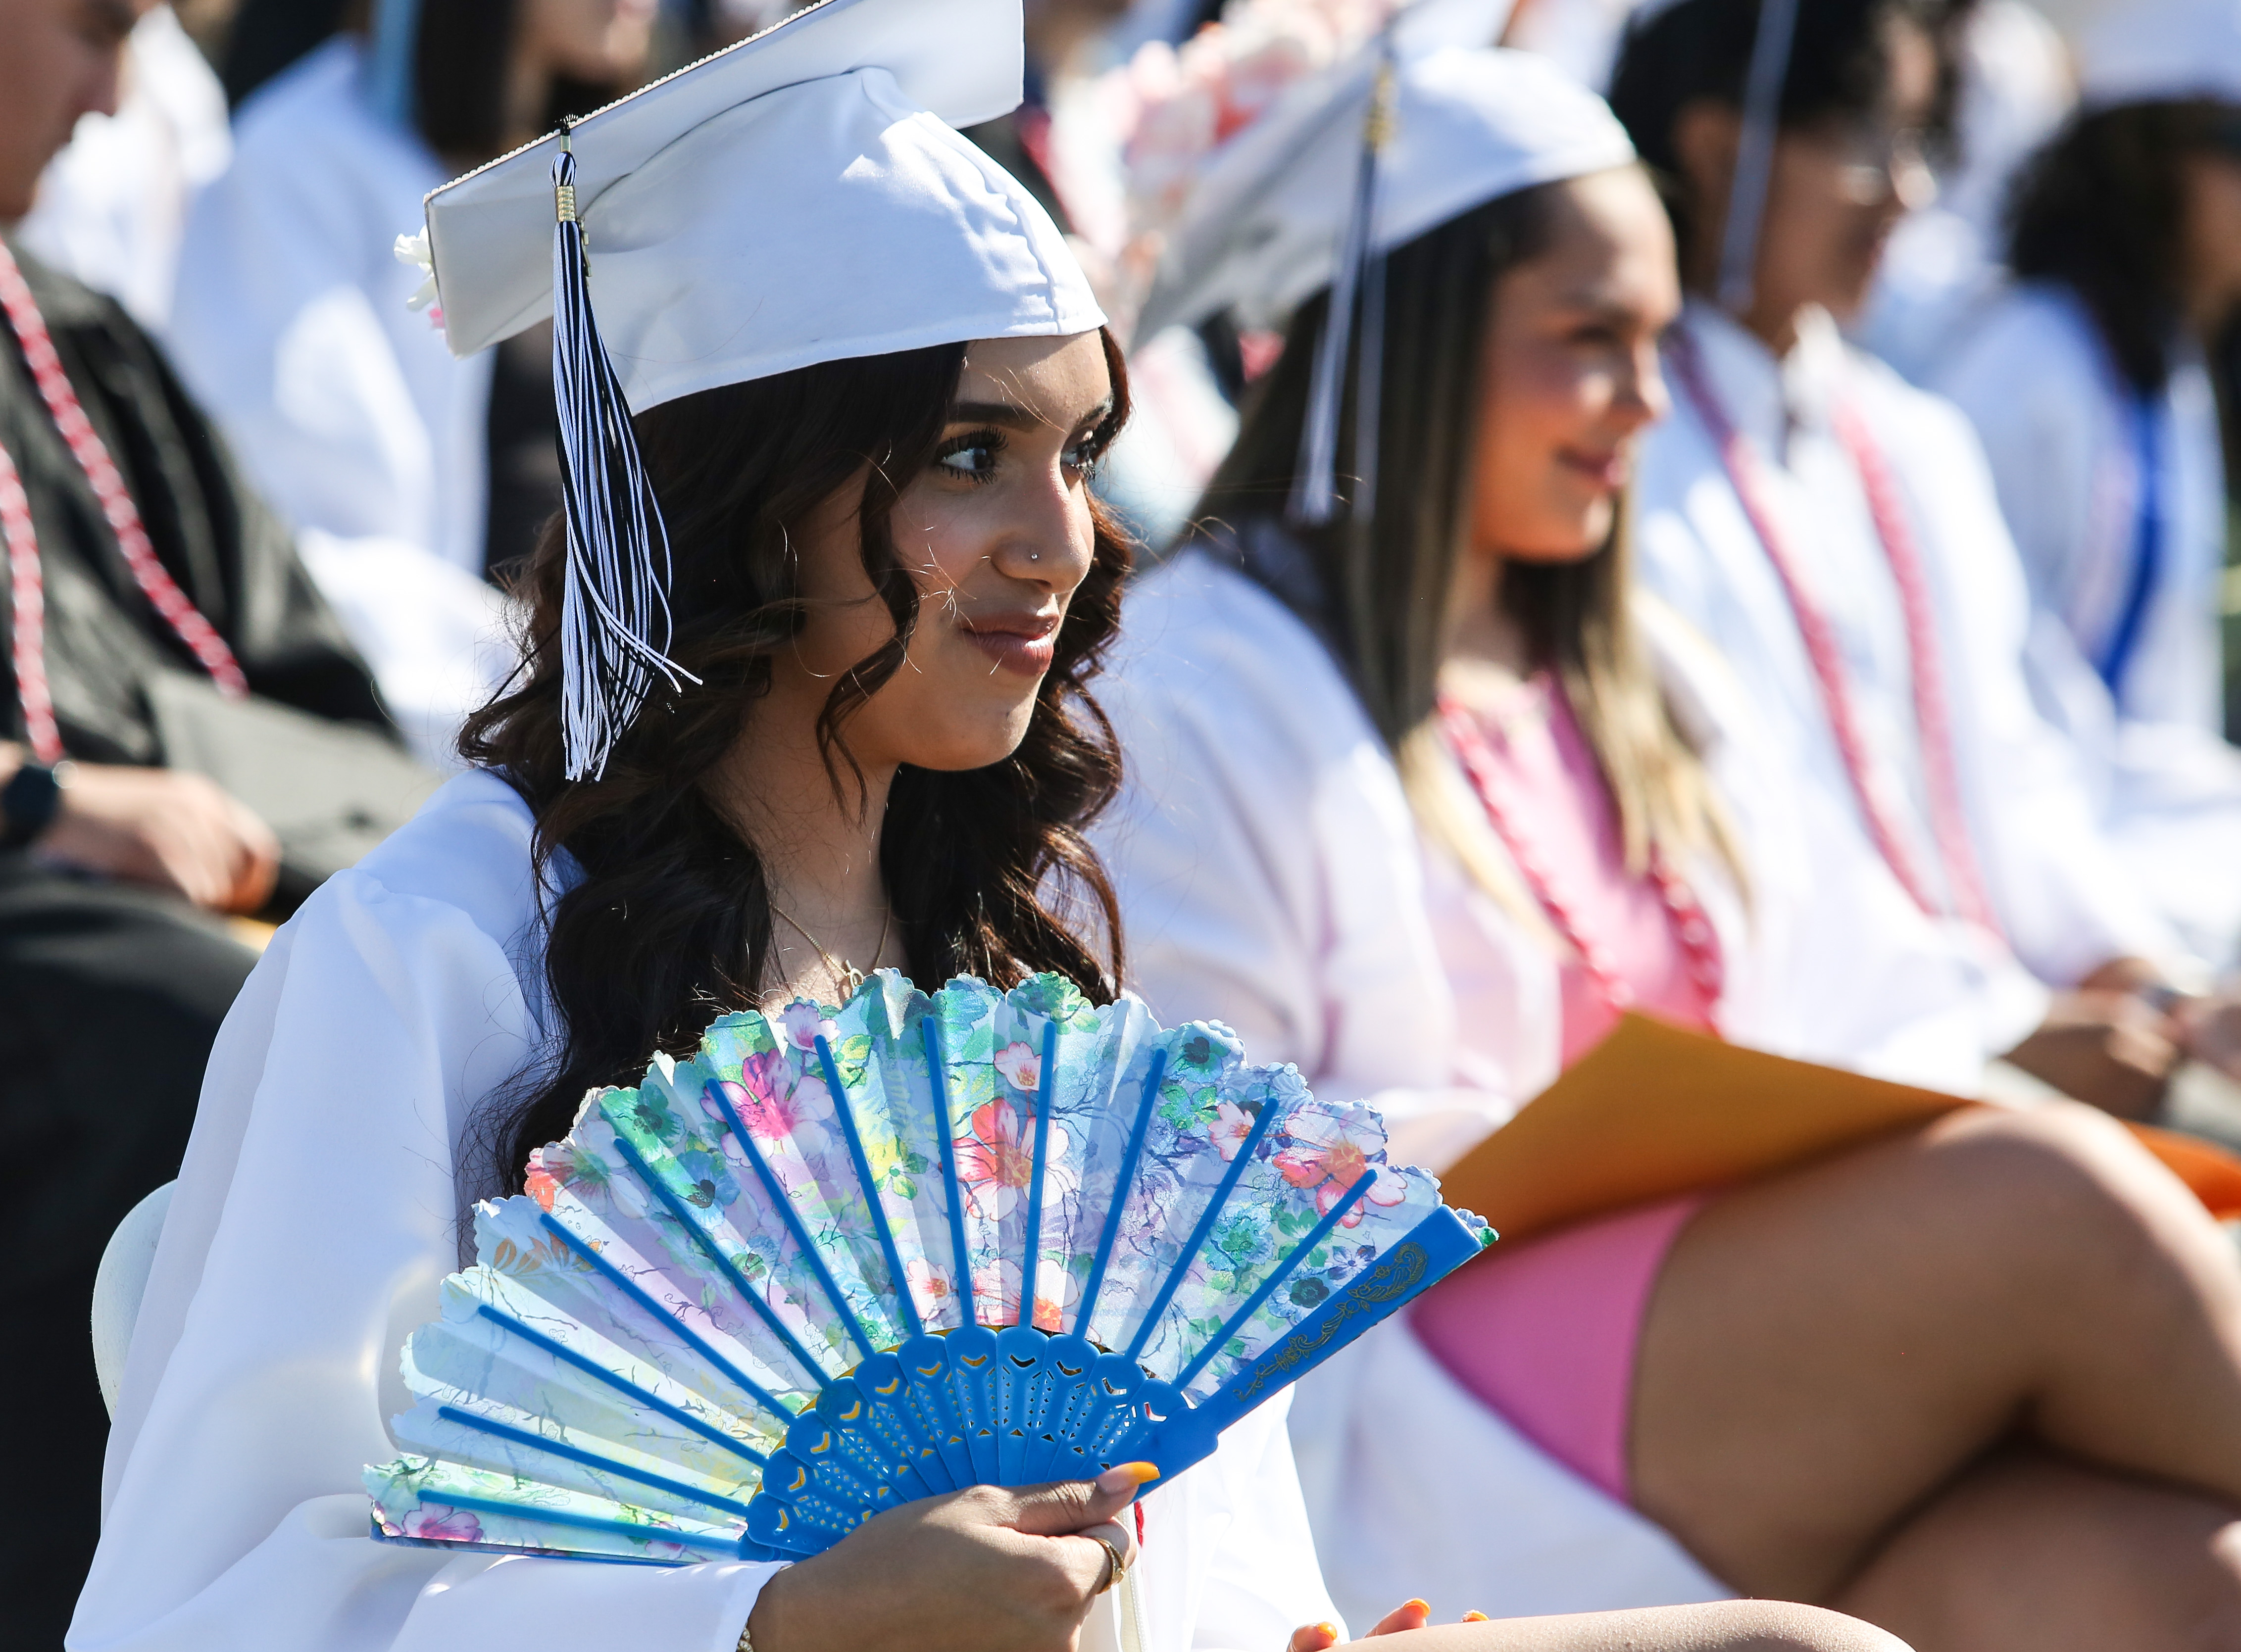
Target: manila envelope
(1655,1110)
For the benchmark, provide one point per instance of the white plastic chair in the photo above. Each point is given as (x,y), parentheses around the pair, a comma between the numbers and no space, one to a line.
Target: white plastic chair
(120,1283)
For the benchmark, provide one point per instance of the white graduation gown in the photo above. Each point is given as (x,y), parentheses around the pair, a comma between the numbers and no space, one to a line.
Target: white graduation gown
(1272,877)
(315,1215)
(2064,899)
(2058,428)
(347,410)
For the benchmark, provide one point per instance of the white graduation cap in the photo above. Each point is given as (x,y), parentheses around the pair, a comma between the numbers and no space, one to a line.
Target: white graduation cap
(800,197)
(1263,228)
(2156,51)
(1343,169)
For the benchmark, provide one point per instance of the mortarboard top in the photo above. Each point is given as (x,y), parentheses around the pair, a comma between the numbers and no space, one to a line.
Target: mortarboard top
(1345,167)
(1263,229)
(798,198)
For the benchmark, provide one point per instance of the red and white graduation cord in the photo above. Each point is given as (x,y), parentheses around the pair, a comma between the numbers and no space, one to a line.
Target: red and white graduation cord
(1949,822)
(1692,928)
(27,588)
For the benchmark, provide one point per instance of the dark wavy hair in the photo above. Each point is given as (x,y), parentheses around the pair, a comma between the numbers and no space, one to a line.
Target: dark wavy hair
(2101,209)
(1701,50)
(668,922)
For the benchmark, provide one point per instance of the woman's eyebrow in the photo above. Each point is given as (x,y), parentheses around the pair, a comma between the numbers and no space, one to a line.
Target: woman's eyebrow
(1012,416)
(1006,415)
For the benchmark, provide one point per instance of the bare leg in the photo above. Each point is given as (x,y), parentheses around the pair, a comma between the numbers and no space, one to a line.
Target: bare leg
(2030,1553)
(1825,1351)
(1726,1626)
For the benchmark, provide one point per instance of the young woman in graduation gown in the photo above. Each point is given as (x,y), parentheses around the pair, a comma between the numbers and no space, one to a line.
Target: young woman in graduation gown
(1834,532)
(1418,796)
(889,586)
(2086,377)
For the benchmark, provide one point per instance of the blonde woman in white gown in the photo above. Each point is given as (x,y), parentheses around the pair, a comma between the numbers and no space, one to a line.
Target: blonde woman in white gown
(1418,797)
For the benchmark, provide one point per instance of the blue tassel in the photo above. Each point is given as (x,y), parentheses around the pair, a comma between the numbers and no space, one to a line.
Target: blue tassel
(615,618)
(390,54)
(1358,283)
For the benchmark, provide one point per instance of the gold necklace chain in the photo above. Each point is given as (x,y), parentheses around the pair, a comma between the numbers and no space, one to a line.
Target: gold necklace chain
(850,978)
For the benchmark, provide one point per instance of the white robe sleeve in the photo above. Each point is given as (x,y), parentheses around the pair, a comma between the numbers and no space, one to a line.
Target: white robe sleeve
(315,1216)
(1258,1555)
(2167,785)
(2066,898)
(275,328)
(290,323)
(1263,851)
(2028,380)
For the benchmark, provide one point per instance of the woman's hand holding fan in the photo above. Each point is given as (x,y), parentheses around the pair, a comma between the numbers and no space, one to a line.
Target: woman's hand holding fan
(987,1570)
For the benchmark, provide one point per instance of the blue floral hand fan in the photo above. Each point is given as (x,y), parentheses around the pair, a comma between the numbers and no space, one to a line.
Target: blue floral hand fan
(841,1259)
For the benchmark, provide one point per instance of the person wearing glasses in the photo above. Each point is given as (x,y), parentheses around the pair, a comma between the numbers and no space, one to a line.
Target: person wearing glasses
(1836,535)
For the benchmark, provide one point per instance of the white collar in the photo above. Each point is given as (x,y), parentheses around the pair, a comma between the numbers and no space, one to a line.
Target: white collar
(1766,399)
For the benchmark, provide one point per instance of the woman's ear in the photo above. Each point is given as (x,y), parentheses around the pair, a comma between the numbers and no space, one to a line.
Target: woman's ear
(1707,138)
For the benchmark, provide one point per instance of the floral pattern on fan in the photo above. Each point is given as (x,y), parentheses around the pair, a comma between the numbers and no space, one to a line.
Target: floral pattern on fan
(808,1223)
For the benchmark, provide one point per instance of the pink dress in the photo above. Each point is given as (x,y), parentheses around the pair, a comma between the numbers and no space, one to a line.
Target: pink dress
(1545,1332)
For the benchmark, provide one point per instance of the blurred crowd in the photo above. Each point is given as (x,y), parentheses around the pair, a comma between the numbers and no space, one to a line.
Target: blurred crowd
(260,521)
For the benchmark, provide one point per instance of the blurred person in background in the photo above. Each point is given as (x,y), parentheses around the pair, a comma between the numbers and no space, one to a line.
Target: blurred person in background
(1418,796)
(408,475)
(140,569)
(2009,86)
(2087,379)
(112,207)
(1835,533)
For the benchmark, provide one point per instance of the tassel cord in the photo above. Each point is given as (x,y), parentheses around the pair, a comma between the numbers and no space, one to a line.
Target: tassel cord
(1358,282)
(616,619)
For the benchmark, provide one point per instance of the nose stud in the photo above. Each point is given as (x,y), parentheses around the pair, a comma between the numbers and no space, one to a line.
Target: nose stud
(1034,556)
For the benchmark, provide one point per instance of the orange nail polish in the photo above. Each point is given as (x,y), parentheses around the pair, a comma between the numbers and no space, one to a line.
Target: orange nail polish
(1425,1607)
(1330,1630)
(1123,1475)
(1476,1617)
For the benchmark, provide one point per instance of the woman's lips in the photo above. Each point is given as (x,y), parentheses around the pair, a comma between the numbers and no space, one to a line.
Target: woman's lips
(1023,643)
(1607,472)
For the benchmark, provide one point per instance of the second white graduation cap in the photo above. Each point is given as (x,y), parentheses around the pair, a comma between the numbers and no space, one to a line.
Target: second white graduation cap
(800,198)
(1344,169)
(1265,226)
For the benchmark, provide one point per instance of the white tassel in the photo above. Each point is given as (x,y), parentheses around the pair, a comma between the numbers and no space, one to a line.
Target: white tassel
(1314,490)
(615,619)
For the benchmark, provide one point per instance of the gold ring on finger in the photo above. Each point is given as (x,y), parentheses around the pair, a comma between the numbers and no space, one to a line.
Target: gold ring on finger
(1114,1566)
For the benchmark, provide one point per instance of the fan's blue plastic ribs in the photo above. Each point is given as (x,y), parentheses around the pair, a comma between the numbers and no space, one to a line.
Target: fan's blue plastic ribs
(784,1206)
(707,1248)
(845,1105)
(1154,1075)
(700,1345)
(628,1389)
(1106,1419)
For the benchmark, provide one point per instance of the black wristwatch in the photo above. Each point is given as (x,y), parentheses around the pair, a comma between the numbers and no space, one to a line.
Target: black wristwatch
(28,802)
